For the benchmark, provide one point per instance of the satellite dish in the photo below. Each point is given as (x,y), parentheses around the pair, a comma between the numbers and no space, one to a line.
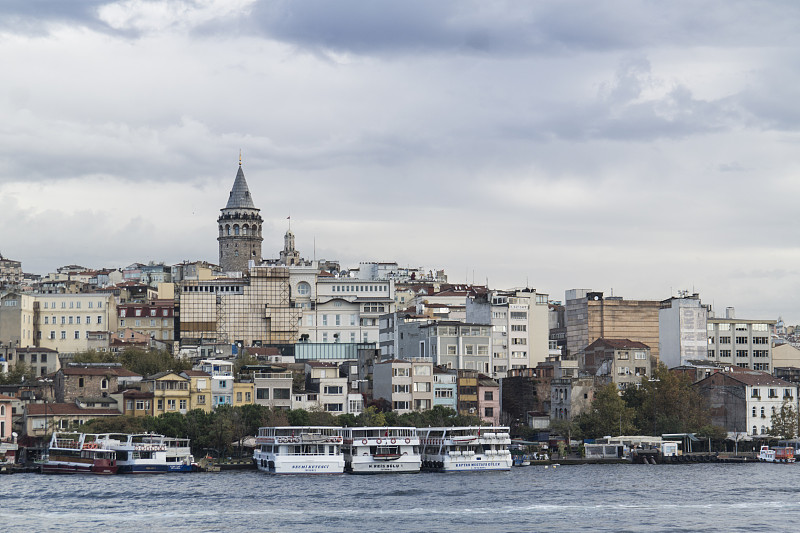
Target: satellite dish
(14,434)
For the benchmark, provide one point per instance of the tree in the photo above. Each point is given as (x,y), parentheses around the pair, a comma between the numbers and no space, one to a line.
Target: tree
(669,404)
(784,421)
(608,414)
(19,373)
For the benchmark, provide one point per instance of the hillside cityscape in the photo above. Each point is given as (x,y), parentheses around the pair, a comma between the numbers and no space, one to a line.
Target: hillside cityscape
(290,340)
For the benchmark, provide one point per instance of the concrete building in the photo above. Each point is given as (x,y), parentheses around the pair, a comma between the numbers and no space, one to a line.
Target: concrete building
(155,319)
(250,311)
(239,228)
(743,401)
(456,345)
(406,384)
(740,342)
(590,316)
(273,389)
(520,327)
(10,272)
(42,361)
(327,382)
(620,361)
(682,330)
(570,397)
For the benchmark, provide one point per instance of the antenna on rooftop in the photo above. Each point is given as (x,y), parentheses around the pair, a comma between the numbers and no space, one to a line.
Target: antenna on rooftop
(240,157)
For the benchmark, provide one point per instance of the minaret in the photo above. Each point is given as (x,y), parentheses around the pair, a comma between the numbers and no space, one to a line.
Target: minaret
(239,228)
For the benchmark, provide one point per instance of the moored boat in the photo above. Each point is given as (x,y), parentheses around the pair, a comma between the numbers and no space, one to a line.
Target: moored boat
(78,453)
(462,449)
(378,450)
(141,453)
(776,455)
(299,450)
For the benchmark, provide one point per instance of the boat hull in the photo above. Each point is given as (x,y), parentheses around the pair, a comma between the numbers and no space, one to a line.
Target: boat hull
(368,465)
(299,465)
(102,468)
(143,469)
(474,464)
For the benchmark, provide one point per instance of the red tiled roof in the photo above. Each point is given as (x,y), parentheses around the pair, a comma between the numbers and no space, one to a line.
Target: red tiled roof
(50,409)
(4,398)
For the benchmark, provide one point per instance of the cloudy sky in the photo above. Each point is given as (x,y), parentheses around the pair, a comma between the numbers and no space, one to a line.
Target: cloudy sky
(644,147)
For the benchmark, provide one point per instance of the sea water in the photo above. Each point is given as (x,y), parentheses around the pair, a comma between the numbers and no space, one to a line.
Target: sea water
(696,497)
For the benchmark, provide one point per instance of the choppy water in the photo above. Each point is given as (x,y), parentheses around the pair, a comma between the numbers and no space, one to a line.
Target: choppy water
(704,497)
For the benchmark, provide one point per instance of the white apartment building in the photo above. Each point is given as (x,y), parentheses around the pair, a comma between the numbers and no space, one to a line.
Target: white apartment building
(339,309)
(682,330)
(520,327)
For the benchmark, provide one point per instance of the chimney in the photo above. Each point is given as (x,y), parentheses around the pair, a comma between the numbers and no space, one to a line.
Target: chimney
(730,312)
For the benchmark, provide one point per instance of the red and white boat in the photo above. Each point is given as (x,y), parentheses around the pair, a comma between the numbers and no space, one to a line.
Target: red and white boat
(776,455)
(78,453)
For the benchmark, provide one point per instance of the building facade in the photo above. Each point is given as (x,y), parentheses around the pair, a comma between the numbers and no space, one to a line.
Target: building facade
(682,325)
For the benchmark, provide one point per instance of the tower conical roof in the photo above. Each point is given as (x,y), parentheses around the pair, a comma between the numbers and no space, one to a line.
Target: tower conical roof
(240,194)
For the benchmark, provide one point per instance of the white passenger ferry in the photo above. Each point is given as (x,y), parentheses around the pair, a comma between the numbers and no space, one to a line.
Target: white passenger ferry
(377,450)
(179,452)
(461,449)
(140,453)
(299,450)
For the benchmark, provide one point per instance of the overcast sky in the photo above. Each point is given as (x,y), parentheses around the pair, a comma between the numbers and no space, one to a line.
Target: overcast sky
(642,146)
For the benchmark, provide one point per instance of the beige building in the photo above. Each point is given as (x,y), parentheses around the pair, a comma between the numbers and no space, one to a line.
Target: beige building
(66,322)
(17,319)
(251,310)
(10,271)
(590,316)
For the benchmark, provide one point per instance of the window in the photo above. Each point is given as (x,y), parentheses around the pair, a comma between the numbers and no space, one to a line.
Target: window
(183,405)
(422,370)
(519,315)
(262,394)
(422,386)
(756,393)
(281,394)
(171,405)
(201,399)
(519,340)
(724,353)
(763,414)
(63,335)
(77,334)
(452,349)
(488,396)
(329,389)
(741,340)
(324,320)
(623,355)
(99,319)
(400,389)
(160,405)
(724,340)
(43,358)
(334,407)
(519,327)
(400,372)
(773,393)
(488,412)
(396,406)
(80,382)
(741,327)
(711,354)
(755,411)
(104,383)
(742,353)
(46,320)
(469,349)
